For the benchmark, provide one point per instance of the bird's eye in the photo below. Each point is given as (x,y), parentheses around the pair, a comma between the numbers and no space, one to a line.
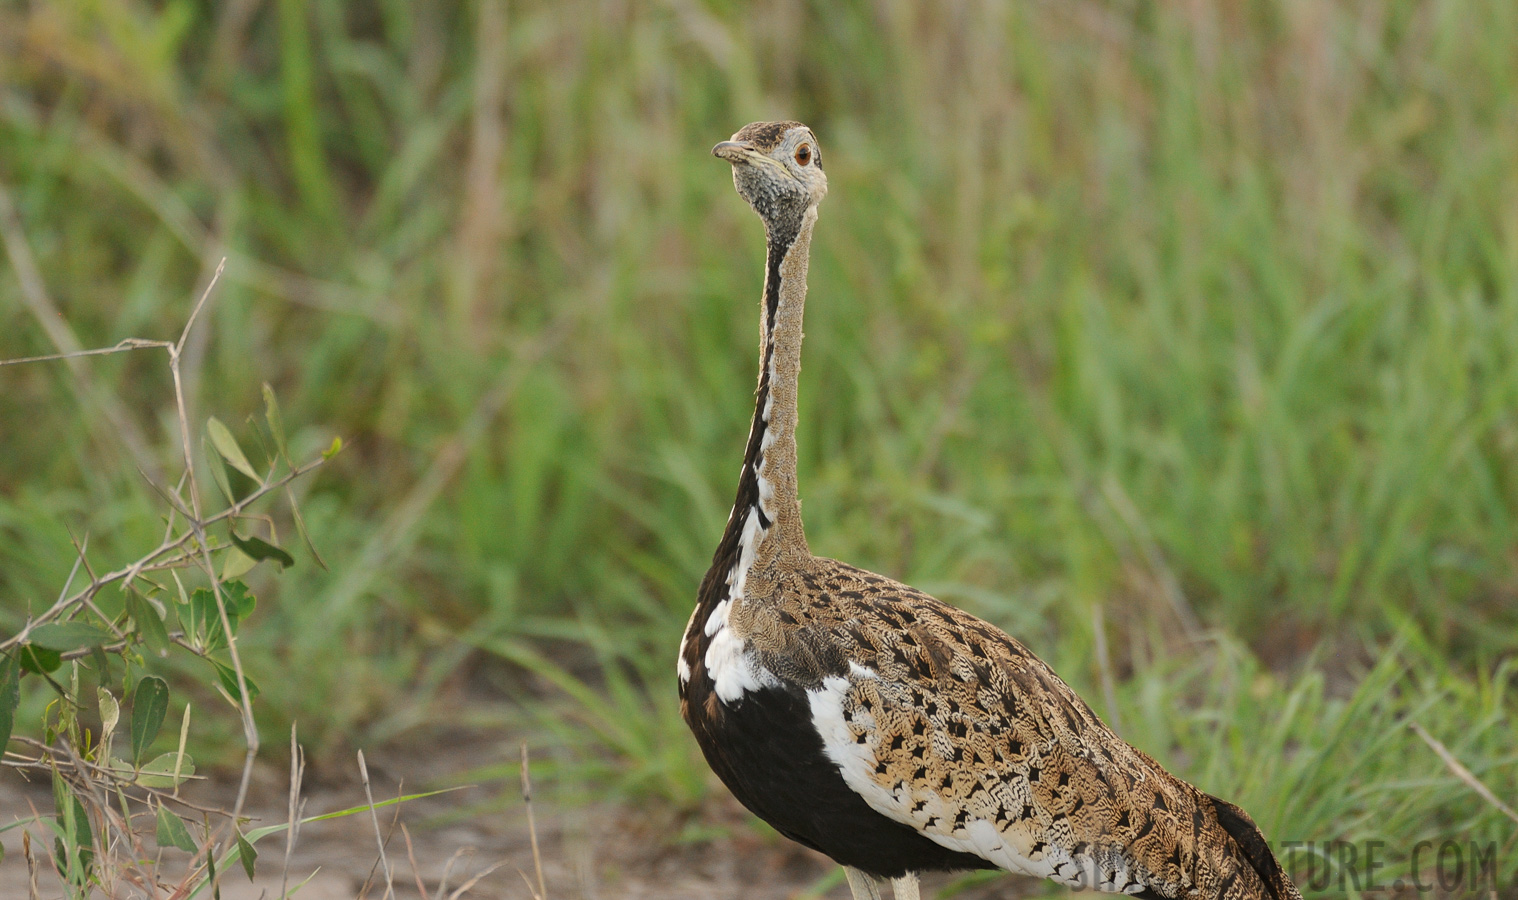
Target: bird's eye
(803,154)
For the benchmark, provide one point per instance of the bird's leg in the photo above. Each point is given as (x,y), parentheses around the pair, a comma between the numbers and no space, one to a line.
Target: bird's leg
(862,886)
(905,887)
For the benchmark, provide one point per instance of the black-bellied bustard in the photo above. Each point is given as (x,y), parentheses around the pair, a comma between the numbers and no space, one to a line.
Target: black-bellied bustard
(888,730)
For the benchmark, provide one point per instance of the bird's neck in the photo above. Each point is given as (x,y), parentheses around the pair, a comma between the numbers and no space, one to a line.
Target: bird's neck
(765,525)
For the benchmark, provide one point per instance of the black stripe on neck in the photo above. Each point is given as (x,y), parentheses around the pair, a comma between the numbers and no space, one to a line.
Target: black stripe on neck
(782,231)
(779,244)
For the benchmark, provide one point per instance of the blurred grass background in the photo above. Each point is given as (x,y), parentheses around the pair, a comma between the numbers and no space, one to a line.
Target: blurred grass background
(1180,339)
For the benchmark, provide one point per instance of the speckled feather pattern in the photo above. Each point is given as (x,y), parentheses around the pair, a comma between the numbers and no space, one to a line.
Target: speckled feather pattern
(973,740)
(896,733)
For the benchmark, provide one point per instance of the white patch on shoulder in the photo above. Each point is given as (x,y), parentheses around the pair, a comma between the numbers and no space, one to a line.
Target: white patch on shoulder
(733,668)
(748,544)
(730,663)
(718,619)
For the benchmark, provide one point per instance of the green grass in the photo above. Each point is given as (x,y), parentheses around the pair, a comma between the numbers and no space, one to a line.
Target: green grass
(1116,308)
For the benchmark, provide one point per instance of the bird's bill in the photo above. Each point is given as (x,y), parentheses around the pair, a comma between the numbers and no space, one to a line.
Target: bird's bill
(734,151)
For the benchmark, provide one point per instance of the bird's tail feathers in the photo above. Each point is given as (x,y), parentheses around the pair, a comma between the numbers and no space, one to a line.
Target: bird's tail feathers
(1251,843)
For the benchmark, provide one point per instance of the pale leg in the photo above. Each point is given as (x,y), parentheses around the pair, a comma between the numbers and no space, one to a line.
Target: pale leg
(905,887)
(862,886)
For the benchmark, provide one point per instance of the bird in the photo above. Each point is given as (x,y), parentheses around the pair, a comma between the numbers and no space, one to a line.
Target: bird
(890,731)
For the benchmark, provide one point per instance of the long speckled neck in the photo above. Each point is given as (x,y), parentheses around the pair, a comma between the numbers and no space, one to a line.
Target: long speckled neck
(765,524)
(775,462)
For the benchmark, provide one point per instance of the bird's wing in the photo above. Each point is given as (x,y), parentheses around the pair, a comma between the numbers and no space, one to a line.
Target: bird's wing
(946,724)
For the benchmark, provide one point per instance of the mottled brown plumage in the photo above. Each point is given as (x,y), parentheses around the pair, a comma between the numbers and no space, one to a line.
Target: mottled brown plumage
(962,723)
(890,730)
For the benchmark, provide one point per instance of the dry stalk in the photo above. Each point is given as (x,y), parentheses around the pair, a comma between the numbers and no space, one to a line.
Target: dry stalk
(474,880)
(442,885)
(379,836)
(1461,772)
(297,773)
(532,828)
(416,871)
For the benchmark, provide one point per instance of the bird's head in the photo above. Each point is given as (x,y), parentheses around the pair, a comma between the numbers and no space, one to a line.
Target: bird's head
(777,168)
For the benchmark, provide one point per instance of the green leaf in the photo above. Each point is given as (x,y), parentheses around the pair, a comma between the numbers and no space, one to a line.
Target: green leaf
(205,620)
(259,834)
(236,564)
(276,422)
(39,660)
(110,712)
(228,677)
(150,703)
(172,831)
(226,445)
(260,549)
(218,470)
(10,696)
(300,526)
(245,850)
(149,627)
(239,602)
(66,636)
(74,847)
(100,662)
(336,448)
(160,772)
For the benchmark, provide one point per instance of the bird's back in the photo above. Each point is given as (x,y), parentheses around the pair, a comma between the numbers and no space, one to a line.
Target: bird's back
(945,726)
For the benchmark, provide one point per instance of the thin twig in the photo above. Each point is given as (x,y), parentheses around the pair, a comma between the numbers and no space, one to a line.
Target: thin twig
(442,885)
(198,524)
(464,888)
(532,828)
(80,551)
(74,571)
(527,882)
(416,871)
(146,563)
(297,772)
(124,346)
(244,702)
(31,863)
(1461,772)
(379,836)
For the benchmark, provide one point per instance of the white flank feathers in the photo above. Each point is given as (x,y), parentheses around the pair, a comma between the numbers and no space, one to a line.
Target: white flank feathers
(1010,850)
